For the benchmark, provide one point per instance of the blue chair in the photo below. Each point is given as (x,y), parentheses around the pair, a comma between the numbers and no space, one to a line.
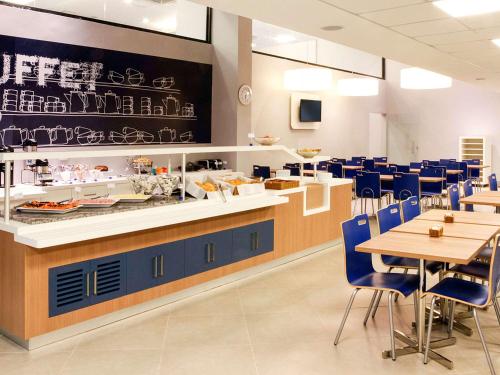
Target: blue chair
(308,166)
(368,187)
(471,294)
(337,160)
(416,165)
(452,179)
(262,171)
(406,185)
(322,166)
(433,162)
(351,173)
(468,191)
(454,197)
(433,190)
(380,159)
(492,180)
(361,274)
(403,168)
(336,170)
(410,208)
(294,171)
(368,165)
(358,159)
(474,173)
(464,175)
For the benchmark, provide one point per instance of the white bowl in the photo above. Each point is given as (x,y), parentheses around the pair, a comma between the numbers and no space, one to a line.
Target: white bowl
(267,141)
(309,153)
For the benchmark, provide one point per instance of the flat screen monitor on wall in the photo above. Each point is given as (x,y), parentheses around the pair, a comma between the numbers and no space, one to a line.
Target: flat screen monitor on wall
(310,110)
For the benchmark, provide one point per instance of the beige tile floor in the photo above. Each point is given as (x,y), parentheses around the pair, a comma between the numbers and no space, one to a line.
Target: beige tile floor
(281,322)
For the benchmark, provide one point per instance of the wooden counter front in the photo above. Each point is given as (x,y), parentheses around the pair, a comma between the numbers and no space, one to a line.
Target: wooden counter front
(24,270)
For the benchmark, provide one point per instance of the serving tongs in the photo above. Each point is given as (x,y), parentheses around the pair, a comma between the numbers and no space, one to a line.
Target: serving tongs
(221,192)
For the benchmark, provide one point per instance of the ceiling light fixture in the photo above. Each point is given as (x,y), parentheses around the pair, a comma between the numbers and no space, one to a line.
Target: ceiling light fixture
(308,79)
(358,87)
(421,79)
(496,42)
(145,20)
(463,8)
(332,28)
(127,1)
(21,2)
(284,38)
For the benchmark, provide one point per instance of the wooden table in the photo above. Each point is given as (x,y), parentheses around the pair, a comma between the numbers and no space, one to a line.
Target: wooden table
(382,163)
(484,200)
(424,248)
(488,193)
(352,167)
(458,230)
(482,218)
(448,171)
(390,177)
(477,166)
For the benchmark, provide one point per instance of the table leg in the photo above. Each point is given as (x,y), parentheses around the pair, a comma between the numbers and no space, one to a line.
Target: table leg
(421,306)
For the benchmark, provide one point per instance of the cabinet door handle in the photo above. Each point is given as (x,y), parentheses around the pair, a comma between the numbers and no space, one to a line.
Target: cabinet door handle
(95,283)
(87,277)
(257,241)
(162,265)
(213,252)
(210,252)
(155,267)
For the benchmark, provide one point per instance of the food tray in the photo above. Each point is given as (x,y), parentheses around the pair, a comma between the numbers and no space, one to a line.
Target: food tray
(46,210)
(91,203)
(278,184)
(130,198)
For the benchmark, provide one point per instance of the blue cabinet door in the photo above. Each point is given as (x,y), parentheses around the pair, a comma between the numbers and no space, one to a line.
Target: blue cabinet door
(69,288)
(142,269)
(252,240)
(209,251)
(171,262)
(108,276)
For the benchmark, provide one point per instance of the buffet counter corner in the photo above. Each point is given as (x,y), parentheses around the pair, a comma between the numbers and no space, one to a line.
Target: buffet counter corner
(65,277)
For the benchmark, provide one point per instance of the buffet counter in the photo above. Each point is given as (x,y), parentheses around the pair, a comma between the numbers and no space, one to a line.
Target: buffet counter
(63,277)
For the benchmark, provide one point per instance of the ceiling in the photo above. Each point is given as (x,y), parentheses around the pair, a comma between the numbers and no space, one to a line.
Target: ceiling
(414,32)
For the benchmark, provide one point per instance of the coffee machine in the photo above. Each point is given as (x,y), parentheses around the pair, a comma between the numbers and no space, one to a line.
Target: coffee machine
(43,174)
(2,168)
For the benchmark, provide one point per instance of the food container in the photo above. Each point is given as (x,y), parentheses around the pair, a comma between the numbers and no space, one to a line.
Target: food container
(449,218)
(167,184)
(278,184)
(196,191)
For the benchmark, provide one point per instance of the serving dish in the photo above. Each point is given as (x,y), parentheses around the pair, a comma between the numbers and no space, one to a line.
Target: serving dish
(267,140)
(308,152)
(48,207)
(131,198)
(97,203)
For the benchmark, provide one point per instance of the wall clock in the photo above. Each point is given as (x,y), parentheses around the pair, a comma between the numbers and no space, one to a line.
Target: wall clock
(245,94)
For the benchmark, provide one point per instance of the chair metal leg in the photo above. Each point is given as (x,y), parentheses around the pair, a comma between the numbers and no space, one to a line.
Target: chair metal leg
(355,206)
(415,306)
(485,348)
(377,302)
(497,309)
(391,324)
(370,307)
(451,318)
(429,331)
(346,314)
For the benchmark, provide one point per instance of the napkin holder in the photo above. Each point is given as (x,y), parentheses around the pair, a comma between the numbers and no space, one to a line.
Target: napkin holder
(449,218)
(436,231)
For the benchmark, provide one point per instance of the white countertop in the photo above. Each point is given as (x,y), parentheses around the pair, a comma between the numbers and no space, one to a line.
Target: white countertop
(76,230)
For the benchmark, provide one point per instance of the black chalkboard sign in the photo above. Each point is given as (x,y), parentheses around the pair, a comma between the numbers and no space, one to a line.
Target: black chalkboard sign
(68,95)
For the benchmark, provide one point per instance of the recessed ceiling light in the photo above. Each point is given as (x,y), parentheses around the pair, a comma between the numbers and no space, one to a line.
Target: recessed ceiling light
(284,38)
(145,20)
(127,1)
(496,41)
(463,8)
(21,2)
(254,45)
(332,28)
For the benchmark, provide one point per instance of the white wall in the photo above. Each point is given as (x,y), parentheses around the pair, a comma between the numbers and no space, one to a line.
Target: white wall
(345,119)
(426,124)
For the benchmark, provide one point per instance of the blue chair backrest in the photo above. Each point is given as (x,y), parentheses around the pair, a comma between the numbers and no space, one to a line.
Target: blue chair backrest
(465,171)
(262,171)
(338,160)
(468,191)
(358,158)
(454,197)
(354,162)
(433,187)
(406,185)
(416,165)
(369,164)
(336,170)
(355,232)
(410,208)
(384,170)
(403,168)
(380,159)
(294,171)
(492,179)
(389,217)
(368,185)
(308,166)
(452,178)
(433,162)
(323,165)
